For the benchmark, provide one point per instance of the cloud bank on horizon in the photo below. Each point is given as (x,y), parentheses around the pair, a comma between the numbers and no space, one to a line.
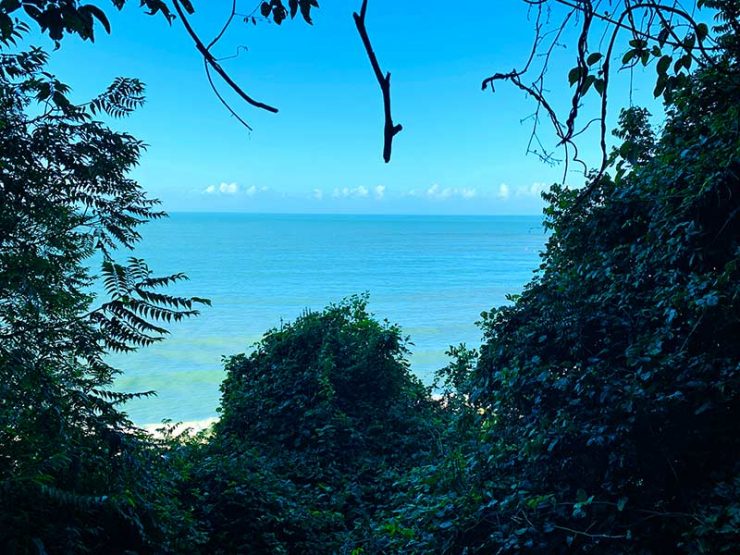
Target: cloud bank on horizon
(503,198)
(234,189)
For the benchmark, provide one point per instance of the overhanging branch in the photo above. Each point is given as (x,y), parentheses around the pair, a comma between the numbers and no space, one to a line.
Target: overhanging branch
(389,130)
(213,63)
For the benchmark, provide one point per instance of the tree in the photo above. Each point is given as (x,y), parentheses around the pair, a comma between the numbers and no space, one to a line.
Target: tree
(608,391)
(75,474)
(330,406)
(672,37)
(58,18)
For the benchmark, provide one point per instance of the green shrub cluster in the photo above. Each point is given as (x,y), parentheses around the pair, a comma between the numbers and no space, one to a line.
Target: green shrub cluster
(323,417)
(608,390)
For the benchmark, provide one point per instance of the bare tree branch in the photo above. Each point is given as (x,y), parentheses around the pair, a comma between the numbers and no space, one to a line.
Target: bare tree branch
(222,99)
(389,130)
(211,61)
(225,27)
(656,25)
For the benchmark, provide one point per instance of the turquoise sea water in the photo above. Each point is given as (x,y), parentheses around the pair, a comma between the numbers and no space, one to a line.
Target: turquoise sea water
(433,275)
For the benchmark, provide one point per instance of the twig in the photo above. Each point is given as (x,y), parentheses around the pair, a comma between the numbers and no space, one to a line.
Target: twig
(588,535)
(208,57)
(389,130)
(225,27)
(222,99)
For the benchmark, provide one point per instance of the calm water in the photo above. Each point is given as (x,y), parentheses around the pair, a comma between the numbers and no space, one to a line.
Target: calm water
(432,275)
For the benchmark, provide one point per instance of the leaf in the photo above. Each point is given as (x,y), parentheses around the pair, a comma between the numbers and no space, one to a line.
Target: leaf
(306,10)
(663,64)
(587,82)
(621,504)
(98,14)
(702,31)
(265,9)
(663,36)
(574,75)
(599,86)
(593,58)
(660,86)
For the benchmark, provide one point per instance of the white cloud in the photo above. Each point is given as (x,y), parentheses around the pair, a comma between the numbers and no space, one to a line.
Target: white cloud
(503,191)
(223,188)
(318,194)
(439,193)
(228,188)
(533,190)
(347,192)
(233,189)
(253,190)
(379,191)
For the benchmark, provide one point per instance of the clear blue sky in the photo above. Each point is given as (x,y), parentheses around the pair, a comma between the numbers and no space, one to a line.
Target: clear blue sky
(461,151)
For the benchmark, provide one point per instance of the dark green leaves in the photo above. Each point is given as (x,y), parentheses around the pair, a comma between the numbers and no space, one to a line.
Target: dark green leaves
(276,9)
(76,475)
(59,17)
(702,31)
(593,58)
(329,404)
(574,75)
(663,64)
(121,98)
(90,10)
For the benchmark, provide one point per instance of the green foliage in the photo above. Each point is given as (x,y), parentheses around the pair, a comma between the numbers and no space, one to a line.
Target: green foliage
(75,475)
(329,403)
(608,390)
(310,384)
(276,9)
(598,416)
(58,18)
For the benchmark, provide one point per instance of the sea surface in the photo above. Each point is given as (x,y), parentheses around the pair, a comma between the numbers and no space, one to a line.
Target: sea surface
(433,275)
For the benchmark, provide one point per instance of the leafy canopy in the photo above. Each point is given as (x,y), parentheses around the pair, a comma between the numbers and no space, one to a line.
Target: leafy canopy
(74,473)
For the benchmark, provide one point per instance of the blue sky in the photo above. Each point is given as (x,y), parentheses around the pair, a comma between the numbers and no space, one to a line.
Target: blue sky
(462,151)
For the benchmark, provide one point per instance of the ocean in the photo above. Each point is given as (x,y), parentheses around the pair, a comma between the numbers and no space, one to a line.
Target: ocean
(433,275)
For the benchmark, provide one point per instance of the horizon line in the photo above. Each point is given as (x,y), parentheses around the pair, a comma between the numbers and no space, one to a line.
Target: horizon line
(404,214)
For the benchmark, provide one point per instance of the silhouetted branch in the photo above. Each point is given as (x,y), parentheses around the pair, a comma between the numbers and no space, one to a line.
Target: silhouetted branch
(657,26)
(225,27)
(213,63)
(222,99)
(389,130)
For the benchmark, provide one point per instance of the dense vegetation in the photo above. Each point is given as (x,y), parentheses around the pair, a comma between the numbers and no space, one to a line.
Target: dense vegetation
(74,473)
(599,415)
